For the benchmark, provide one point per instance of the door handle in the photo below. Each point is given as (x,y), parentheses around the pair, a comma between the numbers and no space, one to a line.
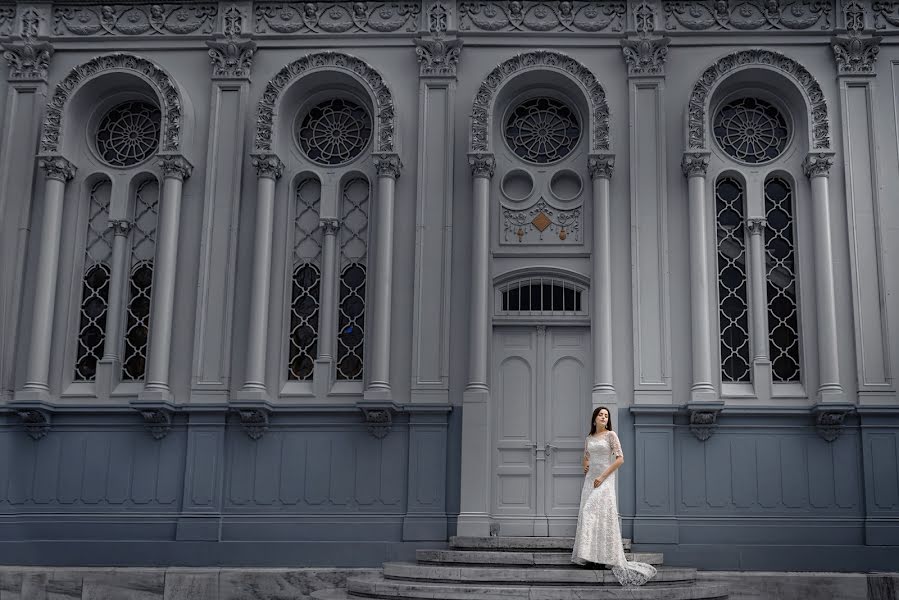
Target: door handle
(549,448)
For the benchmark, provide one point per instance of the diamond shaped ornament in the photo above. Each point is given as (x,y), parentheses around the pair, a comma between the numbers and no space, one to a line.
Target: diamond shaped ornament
(541,222)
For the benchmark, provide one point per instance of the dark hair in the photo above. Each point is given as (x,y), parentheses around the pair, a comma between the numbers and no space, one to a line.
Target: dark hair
(593,419)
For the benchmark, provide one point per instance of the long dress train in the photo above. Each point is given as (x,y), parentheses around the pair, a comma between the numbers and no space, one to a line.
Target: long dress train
(598,537)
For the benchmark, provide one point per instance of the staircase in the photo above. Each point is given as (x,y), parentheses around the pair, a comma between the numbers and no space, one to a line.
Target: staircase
(505,568)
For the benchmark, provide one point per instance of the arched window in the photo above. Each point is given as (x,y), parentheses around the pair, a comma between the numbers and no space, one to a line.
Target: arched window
(306,282)
(541,296)
(783,306)
(355,198)
(94,283)
(140,280)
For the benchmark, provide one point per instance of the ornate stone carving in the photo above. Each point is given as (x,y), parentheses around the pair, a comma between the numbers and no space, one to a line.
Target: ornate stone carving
(336,17)
(57,167)
(388,165)
(120,227)
(254,421)
(817,164)
(164,86)
(703,421)
(267,165)
(855,55)
(7,20)
(645,56)
(438,18)
(540,16)
(175,166)
(385,122)
(695,164)
(482,164)
(601,165)
(135,19)
(829,424)
(483,103)
(379,421)
(886,14)
(438,57)
(756,226)
(746,15)
(31,24)
(232,22)
(28,60)
(231,58)
(158,421)
(531,224)
(329,226)
(36,422)
(819,123)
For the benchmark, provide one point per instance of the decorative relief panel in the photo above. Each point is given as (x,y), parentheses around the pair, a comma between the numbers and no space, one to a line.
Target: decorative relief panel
(7,20)
(747,15)
(134,19)
(536,16)
(337,17)
(886,15)
(542,224)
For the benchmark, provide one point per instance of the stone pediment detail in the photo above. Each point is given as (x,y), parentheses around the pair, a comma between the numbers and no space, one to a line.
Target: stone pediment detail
(183,18)
(746,15)
(333,18)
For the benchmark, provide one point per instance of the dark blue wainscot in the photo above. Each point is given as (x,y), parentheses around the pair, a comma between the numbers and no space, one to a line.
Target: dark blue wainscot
(768,488)
(349,485)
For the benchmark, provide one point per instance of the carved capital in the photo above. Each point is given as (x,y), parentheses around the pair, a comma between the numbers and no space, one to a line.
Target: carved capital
(267,165)
(645,55)
(855,55)
(601,166)
(438,57)
(254,421)
(756,226)
(703,421)
(817,164)
(36,422)
(482,164)
(28,60)
(232,58)
(388,165)
(158,421)
(175,166)
(379,421)
(120,227)
(57,167)
(329,226)
(695,164)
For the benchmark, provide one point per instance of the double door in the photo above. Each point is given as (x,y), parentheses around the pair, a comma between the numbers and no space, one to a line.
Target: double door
(541,390)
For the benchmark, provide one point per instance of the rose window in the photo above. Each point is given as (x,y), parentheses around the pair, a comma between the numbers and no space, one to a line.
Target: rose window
(129,133)
(542,130)
(751,130)
(334,132)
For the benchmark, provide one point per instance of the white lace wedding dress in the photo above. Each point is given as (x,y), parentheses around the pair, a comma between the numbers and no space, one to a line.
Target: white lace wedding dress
(598,537)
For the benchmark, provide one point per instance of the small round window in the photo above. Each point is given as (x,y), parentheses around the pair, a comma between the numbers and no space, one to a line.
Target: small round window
(542,130)
(334,132)
(751,130)
(129,133)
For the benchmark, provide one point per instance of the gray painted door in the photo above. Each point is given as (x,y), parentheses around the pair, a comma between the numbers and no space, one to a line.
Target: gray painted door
(541,382)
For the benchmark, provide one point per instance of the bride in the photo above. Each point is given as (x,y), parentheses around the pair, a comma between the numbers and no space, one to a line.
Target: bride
(598,537)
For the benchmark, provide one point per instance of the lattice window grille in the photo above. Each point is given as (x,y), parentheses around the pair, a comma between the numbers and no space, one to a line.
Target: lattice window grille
(542,296)
(140,280)
(306,281)
(129,133)
(783,307)
(94,284)
(542,130)
(353,275)
(733,307)
(751,130)
(334,132)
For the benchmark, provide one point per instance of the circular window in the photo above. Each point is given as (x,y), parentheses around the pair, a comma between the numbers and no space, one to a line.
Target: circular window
(129,133)
(751,130)
(334,132)
(542,130)
(517,185)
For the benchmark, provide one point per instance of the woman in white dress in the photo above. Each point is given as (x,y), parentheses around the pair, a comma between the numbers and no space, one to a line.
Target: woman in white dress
(598,537)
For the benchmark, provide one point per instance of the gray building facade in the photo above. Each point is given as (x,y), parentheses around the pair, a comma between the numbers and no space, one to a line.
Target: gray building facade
(321,283)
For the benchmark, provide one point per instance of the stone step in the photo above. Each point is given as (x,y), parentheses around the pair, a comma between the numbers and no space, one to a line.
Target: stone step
(517,543)
(518,558)
(525,576)
(380,587)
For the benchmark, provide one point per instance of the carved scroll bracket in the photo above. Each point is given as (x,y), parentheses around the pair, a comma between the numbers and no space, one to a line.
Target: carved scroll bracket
(158,421)
(36,421)
(255,420)
(830,419)
(379,420)
(704,418)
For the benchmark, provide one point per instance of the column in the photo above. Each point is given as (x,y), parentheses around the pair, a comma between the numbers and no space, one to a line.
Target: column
(175,169)
(328,306)
(474,517)
(695,165)
(601,166)
(388,169)
(58,171)
(268,170)
(117,277)
(817,168)
(758,284)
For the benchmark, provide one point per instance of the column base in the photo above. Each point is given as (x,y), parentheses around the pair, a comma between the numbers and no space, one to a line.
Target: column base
(473,525)
(251,396)
(698,396)
(322,376)
(604,398)
(155,396)
(378,394)
(831,395)
(108,371)
(32,396)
